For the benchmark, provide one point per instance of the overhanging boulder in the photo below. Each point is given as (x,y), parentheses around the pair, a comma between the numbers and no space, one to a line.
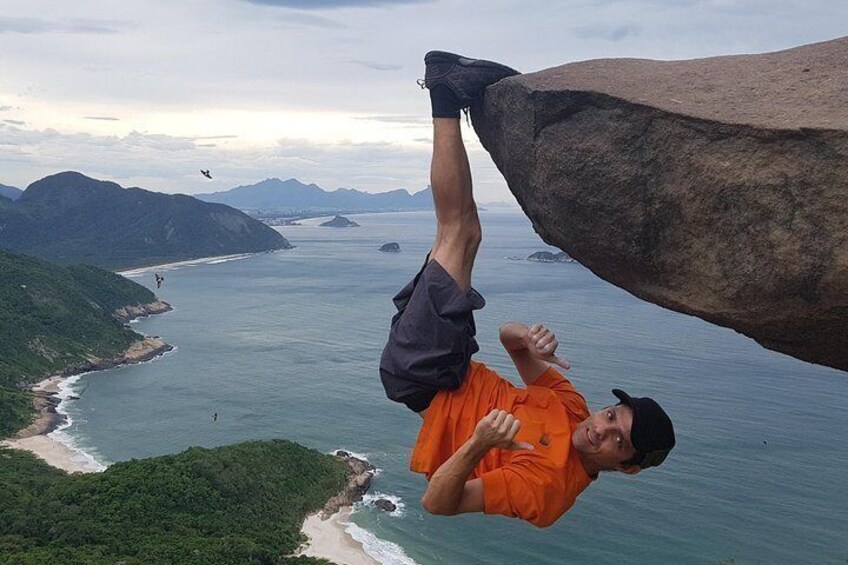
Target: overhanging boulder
(716,187)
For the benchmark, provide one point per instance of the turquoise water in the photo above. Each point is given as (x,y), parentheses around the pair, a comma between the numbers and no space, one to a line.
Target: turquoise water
(286,345)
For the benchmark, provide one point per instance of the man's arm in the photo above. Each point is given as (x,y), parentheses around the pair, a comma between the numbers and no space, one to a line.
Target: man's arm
(531,349)
(449,491)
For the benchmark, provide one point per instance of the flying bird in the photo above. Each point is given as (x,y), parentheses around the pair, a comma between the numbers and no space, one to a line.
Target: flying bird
(206,173)
(159,280)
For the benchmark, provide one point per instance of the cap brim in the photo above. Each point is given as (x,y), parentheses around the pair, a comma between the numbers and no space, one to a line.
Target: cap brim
(623,397)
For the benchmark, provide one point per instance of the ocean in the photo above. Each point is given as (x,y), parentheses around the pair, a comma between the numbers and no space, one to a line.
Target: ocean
(286,345)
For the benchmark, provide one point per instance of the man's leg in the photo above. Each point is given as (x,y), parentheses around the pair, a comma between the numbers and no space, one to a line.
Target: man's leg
(458,232)
(431,339)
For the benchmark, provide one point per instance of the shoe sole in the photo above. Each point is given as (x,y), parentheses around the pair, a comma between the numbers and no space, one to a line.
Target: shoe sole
(436,57)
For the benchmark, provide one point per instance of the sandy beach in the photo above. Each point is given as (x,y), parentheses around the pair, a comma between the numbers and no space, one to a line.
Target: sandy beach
(53,453)
(36,439)
(187,263)
(329,540)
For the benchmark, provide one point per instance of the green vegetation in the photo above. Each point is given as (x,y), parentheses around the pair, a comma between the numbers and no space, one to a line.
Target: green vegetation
(71,218)
(54,317)
(239,504)
(231,505)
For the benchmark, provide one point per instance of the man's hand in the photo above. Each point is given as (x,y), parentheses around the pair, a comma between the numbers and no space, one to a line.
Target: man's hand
(541,343)
(497,429)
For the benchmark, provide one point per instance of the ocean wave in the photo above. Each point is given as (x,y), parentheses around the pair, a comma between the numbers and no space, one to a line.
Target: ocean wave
(228,259)
(385,552)
(134,273)
(371,497)
(67,392)
(85,455)
(363,456)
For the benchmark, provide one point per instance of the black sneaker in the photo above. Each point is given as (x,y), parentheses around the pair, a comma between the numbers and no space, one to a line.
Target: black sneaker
(465,77)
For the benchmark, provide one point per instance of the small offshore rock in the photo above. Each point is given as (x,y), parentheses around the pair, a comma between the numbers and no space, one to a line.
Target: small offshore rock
(385,504)
(548,257)
(392,247)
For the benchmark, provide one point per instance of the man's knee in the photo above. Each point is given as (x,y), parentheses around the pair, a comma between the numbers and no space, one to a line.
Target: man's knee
(462,238)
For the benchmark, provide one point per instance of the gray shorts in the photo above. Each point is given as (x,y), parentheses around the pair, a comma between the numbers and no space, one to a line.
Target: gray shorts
(431,339)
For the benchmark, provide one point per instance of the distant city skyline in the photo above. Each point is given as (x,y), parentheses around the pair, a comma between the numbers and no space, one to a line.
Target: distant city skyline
(147,93)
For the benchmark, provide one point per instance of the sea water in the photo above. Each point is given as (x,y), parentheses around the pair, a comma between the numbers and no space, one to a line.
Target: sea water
(286,345)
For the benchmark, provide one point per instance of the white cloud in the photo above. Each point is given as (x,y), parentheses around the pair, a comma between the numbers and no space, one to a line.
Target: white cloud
(147,92)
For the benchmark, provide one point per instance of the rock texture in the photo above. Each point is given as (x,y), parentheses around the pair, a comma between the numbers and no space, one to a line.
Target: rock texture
(129,313)
(392,247)
(44,394)
(385,505)
(715,187)
(359,475)
(138,352)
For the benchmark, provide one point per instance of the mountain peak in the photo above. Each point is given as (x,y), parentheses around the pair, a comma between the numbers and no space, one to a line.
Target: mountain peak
(10,192)
(292,196)
(71,217)
(66,186)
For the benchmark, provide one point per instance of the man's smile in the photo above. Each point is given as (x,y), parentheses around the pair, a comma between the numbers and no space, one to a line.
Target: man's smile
(589,436)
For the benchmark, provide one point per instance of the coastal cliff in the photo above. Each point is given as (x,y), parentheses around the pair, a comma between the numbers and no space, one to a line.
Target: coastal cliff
(62,320)
(127,314)
(715,187)
(358,475)
(44,393)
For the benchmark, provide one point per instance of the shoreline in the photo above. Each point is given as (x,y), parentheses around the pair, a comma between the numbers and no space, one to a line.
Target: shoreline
(327,530)
(329,539)
(38,437)
(138,271)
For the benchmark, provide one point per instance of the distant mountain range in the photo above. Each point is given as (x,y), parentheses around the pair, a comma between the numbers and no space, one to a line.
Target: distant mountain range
(292,197)
(10,192)
(71,218)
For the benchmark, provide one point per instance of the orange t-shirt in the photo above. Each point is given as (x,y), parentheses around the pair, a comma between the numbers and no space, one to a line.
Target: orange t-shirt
(537,485)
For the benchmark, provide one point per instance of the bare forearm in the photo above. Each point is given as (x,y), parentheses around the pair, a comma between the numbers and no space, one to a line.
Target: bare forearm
(512,336)
(444,494)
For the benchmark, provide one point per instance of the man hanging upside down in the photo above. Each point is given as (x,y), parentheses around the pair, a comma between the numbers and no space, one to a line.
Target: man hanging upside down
(486,445)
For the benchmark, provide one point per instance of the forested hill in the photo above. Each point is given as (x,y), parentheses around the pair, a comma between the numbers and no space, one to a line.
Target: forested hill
(10,192)
(71,218)
(52,317)
(231,505)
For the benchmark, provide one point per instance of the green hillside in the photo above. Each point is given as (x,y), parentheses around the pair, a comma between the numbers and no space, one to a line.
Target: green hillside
(231,505)
(52,317)
(71,218)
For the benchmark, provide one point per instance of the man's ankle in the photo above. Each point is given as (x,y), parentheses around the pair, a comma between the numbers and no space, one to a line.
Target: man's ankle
(444,102)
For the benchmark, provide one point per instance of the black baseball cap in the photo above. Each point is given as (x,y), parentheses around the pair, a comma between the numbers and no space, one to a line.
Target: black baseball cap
(652,433)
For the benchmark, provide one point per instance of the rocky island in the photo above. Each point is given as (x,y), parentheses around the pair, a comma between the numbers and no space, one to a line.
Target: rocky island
(339,222)
(392,247)
(548,257)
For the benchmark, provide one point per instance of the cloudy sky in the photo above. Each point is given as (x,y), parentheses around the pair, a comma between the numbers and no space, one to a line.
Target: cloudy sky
(147,92)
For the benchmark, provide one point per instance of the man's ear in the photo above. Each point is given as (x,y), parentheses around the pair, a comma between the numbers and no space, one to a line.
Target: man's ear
(628,469)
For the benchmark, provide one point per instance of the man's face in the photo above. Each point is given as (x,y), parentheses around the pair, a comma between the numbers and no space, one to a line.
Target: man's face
(603,439)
